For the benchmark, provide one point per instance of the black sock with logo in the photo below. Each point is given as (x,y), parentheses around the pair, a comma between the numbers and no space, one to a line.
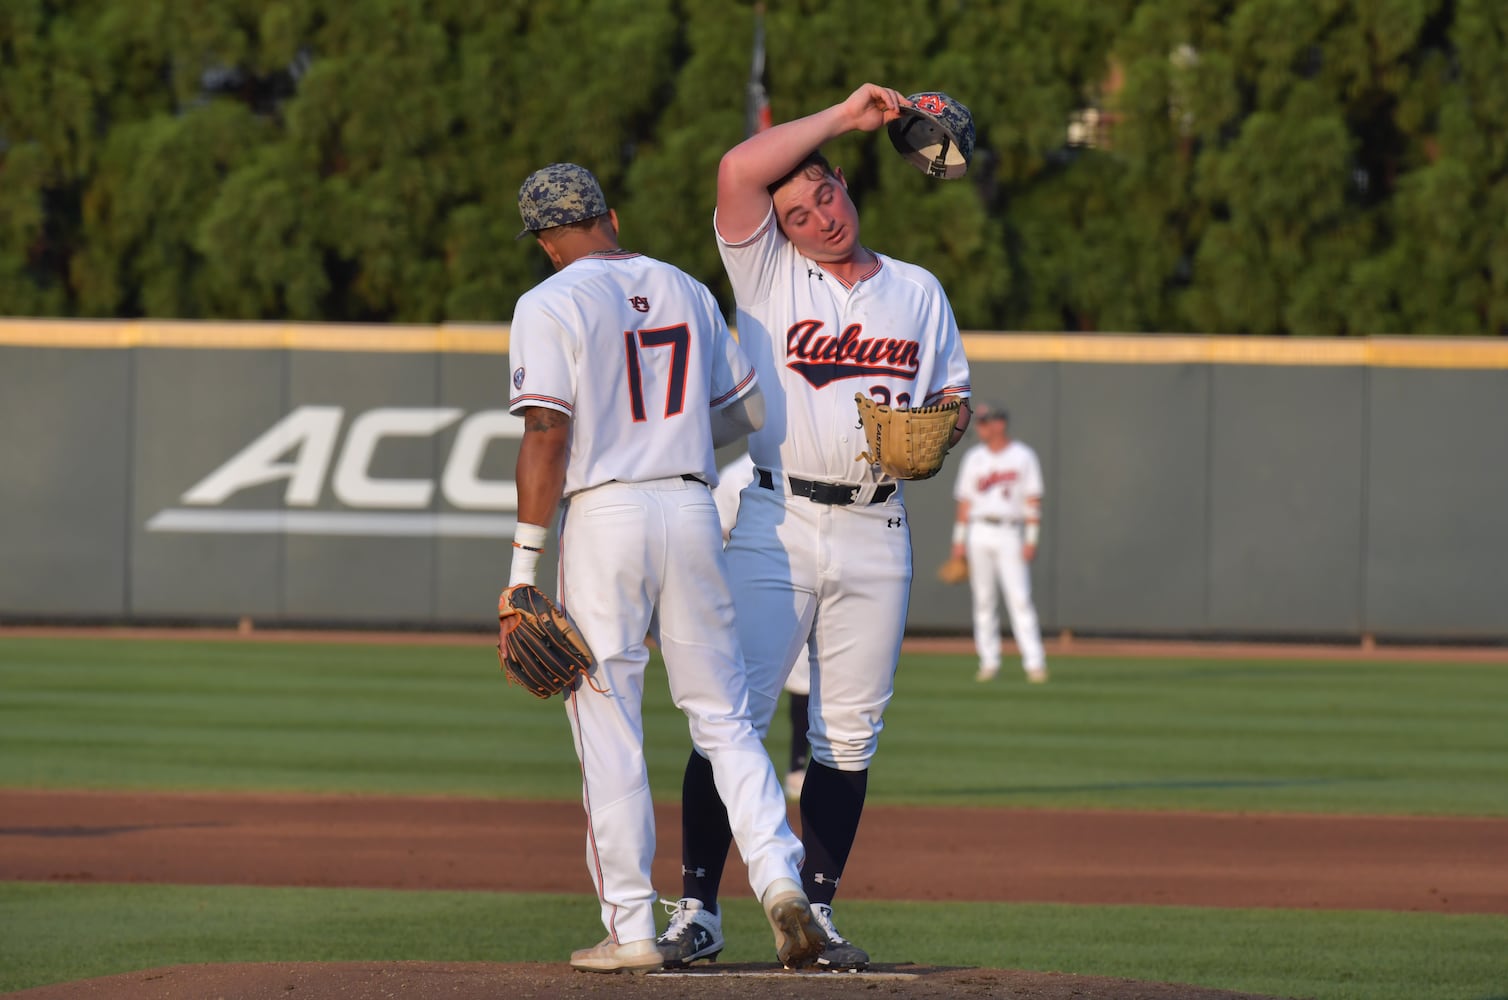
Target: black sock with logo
(705,833)
(831,803)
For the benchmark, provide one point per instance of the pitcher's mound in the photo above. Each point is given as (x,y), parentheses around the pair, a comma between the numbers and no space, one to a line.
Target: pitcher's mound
(488,981)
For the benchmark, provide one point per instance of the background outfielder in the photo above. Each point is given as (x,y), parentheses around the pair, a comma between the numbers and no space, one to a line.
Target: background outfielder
(996,526)
(626,377)
(820,556)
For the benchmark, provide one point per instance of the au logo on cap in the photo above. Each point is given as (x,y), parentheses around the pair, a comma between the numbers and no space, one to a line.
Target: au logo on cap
(935,135)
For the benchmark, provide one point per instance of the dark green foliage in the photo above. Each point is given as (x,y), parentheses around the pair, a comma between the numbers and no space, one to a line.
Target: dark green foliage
(1268,166)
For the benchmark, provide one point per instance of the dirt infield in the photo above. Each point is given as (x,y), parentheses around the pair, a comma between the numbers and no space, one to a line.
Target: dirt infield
(1422,864)
(1437,865)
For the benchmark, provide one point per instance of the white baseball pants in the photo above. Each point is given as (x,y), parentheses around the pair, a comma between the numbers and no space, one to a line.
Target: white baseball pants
(647,558)
(996,564)
(839,577)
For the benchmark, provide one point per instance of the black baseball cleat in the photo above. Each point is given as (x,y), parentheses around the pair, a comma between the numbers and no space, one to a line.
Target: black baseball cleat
(694,934)
(838,953)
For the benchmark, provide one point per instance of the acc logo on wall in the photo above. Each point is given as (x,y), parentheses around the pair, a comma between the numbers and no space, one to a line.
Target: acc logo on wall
(302,449)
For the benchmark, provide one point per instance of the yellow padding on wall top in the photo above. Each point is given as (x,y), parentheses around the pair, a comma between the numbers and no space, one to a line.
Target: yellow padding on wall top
(254,336)
(1383,352)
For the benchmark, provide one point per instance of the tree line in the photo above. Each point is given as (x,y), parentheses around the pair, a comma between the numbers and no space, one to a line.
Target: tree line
(1304,167)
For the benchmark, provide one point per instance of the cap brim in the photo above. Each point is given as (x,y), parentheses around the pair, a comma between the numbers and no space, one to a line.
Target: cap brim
(526,232)
(926,144)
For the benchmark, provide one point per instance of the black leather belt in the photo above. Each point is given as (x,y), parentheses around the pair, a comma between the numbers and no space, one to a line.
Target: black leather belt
(690,478)
(993,520)
(833,494)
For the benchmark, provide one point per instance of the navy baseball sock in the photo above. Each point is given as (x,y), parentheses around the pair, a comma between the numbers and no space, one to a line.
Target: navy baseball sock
(799,745)
(831,803)
(705,833)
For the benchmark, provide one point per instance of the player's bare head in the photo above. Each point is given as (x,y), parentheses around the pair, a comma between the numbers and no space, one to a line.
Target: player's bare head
(814,211)
(813,167)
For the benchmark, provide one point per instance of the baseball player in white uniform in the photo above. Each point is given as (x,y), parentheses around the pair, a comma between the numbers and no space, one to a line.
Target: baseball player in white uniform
(732,480)
(997,525)
(627,378)
(820,556)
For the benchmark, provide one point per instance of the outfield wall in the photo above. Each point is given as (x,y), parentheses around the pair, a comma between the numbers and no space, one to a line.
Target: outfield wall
(1271,487)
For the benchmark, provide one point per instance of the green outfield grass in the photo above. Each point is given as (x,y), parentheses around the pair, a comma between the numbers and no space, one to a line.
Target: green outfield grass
(1415,738)
(64,932)
(1251,735)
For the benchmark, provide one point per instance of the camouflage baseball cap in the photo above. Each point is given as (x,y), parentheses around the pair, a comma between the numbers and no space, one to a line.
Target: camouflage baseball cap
(557,195)
(935,135)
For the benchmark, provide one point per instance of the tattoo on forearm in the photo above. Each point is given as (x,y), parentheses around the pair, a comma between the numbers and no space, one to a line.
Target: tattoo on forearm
(538,418)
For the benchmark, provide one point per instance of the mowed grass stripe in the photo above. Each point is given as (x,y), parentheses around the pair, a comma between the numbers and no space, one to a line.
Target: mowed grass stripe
(1231,734)
(65,932)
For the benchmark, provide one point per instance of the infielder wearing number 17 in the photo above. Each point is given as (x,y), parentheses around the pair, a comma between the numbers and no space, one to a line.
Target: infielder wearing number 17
(820,556)
(626,377)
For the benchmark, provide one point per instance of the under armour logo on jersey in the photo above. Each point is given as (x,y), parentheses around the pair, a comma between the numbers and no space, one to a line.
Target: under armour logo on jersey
(640,303)
(694,872)
(822,360)
(822,879)
(893,522)
(812,272)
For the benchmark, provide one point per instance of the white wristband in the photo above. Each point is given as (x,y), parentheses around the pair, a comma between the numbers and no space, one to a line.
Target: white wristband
(1033,531)
(960,532)
(528,543)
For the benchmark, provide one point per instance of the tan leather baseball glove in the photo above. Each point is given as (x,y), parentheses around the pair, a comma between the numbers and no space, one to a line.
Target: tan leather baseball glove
(907,444)
(538,647)
(955,570)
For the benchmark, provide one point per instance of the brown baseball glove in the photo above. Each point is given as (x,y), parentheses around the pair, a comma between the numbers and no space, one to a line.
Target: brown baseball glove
(537,646)
(907,444)
(955,570)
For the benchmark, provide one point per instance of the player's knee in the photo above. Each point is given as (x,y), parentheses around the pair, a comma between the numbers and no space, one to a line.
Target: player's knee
(843,755)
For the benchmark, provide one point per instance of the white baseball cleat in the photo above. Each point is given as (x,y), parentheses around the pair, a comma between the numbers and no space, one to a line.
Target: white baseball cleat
(986,674)
(1038,676)
(630,956)
(798,940)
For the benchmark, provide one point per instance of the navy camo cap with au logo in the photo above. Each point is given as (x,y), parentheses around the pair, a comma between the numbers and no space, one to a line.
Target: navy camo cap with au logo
(558,195)
(935,135)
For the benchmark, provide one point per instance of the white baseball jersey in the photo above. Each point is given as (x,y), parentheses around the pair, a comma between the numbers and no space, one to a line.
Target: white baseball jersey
(649,373)
(732,478)
(832,578)
(996,484)
(817,341)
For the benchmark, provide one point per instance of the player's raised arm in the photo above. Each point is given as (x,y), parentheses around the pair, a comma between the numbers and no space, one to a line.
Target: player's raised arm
(748,169)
